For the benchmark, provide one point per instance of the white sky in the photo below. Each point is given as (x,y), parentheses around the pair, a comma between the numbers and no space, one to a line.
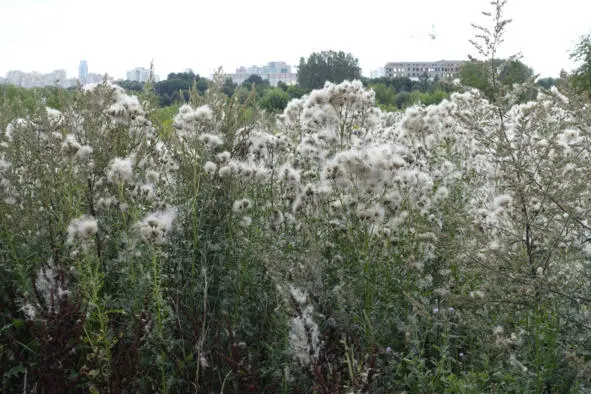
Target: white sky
(117,35)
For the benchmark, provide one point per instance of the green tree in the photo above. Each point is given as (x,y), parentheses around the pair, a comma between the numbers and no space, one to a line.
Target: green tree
(295,91)
(229,87)
(425,83)
(581,77)
(24,100)
(398,84)
(258,82)
(169,89)
(133,86)
(547,83)
(385,95)
(477,74)
(402,100)
(327,66)
(514,71)
(282,85)
(434,97)
(275,100)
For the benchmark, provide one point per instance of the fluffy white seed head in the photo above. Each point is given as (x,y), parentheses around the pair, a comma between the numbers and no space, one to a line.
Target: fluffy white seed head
(120,170)
(156,227)
(81,228)
(210,168)
(240,206)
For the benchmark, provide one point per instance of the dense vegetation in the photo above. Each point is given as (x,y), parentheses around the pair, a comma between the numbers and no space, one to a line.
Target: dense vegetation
(211,246)
(392,94)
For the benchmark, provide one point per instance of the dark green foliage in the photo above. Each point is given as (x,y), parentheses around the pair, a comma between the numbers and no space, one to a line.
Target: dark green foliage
(547,83)
(325,66)
(402,92)
(398,84)
(275,100)
(296,91)
(170,89)
(477,74)
(582,54)
(23,100)
(257,82)
(514,71)
(132,86)
(229,87)
(384,94)
(402,100)
(282,85)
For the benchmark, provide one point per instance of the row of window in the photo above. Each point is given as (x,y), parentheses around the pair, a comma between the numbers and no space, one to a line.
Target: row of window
(444,73)
(418,69)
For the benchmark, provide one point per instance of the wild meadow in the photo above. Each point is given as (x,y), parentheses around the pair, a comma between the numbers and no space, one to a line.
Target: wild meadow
(333,248)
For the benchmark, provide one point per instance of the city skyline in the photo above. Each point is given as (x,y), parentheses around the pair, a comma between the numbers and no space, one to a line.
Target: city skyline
(42,35)
(57,77)
(273,71)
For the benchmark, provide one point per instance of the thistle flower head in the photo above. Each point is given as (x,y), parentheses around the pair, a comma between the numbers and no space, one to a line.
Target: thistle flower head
(81,228)
(210,168)
(211,141)
(156,227)
(241,205)
(192,122)
(120,170)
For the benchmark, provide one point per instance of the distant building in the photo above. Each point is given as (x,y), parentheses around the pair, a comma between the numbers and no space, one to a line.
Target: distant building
(140,74)
(275,72)
(69,83)
(35,79)
(16,77)
(440,69)
(94,78)
(83,71)
(55,78)
(379,73)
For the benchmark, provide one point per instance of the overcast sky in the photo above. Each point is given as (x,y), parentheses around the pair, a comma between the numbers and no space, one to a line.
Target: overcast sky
(118,35)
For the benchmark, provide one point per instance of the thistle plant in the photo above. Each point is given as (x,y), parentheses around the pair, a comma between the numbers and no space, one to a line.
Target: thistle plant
(333,248)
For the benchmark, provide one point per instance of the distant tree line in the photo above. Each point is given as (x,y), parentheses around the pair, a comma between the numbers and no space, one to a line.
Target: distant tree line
(391,93)
(582,55)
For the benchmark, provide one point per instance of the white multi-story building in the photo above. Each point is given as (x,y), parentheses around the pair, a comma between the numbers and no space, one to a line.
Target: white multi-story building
(35,79)
(57,77)
(414,70)
(15,77)
(275,72)
(379,73)
(69,83)
(94,78)
(140,74)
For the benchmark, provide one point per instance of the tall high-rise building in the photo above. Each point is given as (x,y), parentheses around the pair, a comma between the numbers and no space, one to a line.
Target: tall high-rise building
(83,71)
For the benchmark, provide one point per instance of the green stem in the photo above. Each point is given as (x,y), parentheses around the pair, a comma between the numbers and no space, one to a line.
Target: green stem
(156,287)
